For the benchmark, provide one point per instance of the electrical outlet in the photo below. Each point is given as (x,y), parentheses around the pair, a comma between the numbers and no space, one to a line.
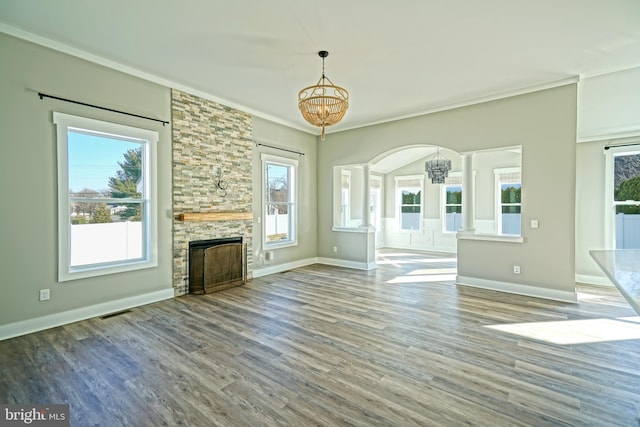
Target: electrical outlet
(516,269)
(335,249)
(44,294)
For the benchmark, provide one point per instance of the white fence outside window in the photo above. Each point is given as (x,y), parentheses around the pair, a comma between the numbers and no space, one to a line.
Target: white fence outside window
(627,231)
(109,242)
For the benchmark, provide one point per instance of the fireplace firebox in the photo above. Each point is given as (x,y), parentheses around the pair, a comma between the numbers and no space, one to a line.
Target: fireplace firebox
(216,264)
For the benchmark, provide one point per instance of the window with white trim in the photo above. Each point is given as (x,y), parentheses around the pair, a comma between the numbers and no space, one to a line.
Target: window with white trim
(509,200)
(106,197)
(623,189)
(452,204)
(279,195)
(409,191)
(345,198)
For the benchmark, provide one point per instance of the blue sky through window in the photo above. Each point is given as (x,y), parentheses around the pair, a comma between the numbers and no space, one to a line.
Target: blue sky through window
(93,159)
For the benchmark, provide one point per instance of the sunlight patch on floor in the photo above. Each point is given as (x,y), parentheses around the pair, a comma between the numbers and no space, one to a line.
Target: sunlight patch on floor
(397,254)
(433,271)
(583,296)
(568,332)
(424,278)
(383,261)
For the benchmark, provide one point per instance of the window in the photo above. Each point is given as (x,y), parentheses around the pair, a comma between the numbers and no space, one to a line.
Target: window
(452,206)
(508,195)
(280,198)
(106,197)
(625,203)
(409,199)
(345,198)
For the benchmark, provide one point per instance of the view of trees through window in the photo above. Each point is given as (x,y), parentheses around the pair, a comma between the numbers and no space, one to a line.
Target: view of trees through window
(627,200)
(511,205)
(410,209)
(453,207)
(123,185)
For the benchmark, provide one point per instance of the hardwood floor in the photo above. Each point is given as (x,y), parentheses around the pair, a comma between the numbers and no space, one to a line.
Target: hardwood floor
(401,345)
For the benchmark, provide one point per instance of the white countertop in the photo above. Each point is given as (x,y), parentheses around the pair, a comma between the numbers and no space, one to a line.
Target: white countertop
(622,267)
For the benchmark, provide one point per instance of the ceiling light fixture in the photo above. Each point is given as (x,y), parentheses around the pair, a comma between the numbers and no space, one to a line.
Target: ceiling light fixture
(437,168)
(323,104)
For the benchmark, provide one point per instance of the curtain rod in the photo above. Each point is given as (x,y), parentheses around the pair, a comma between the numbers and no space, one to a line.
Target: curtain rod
(258,144)
(44,95)
(606,147)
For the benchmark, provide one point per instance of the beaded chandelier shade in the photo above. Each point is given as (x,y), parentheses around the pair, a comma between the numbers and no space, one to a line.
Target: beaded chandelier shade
(437,168)
(323,104)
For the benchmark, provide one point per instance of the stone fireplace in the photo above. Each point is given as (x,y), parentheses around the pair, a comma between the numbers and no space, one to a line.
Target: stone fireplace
(211,142)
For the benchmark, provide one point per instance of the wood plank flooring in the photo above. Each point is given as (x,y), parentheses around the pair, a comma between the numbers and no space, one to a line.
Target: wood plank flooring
(324,346)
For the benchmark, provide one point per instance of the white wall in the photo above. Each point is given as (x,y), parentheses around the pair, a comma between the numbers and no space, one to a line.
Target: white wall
(590,222)
(608,108)
(432,237)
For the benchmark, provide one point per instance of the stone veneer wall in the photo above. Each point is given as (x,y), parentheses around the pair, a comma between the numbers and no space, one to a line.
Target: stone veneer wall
(208,136)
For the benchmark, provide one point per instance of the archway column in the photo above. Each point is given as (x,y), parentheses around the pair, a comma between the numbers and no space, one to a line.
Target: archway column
(366,209)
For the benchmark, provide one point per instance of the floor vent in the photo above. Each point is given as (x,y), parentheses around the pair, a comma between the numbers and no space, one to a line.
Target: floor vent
(117,313)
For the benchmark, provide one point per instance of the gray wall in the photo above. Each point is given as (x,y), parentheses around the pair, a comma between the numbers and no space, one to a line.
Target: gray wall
(28,257)
(269,133)
(543,123)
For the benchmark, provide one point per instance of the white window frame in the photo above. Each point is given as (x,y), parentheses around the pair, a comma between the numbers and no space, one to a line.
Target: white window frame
(398,192)
(498,197)
(148,140)
(610,204)
(293,202)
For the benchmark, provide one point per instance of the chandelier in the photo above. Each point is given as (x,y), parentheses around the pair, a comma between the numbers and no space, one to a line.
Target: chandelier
(323,104)
(437,168)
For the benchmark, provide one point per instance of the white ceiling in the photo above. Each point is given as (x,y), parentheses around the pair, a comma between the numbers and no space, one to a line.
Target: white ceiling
(397,59)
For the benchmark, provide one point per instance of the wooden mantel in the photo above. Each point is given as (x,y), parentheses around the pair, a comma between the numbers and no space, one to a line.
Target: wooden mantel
(214,216)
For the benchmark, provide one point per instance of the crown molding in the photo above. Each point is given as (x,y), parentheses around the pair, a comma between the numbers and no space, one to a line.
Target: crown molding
(82,54)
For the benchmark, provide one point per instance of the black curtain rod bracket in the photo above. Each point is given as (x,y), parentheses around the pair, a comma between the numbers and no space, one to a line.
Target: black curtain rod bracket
(44,95)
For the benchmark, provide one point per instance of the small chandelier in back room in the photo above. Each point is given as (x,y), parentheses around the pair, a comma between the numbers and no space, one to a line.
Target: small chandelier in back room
(323,104)
(437,168)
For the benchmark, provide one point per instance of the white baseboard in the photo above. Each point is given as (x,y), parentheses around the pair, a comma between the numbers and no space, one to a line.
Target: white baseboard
(349,264)
(515,288)
(279,268)
(57,319)
(593,280)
